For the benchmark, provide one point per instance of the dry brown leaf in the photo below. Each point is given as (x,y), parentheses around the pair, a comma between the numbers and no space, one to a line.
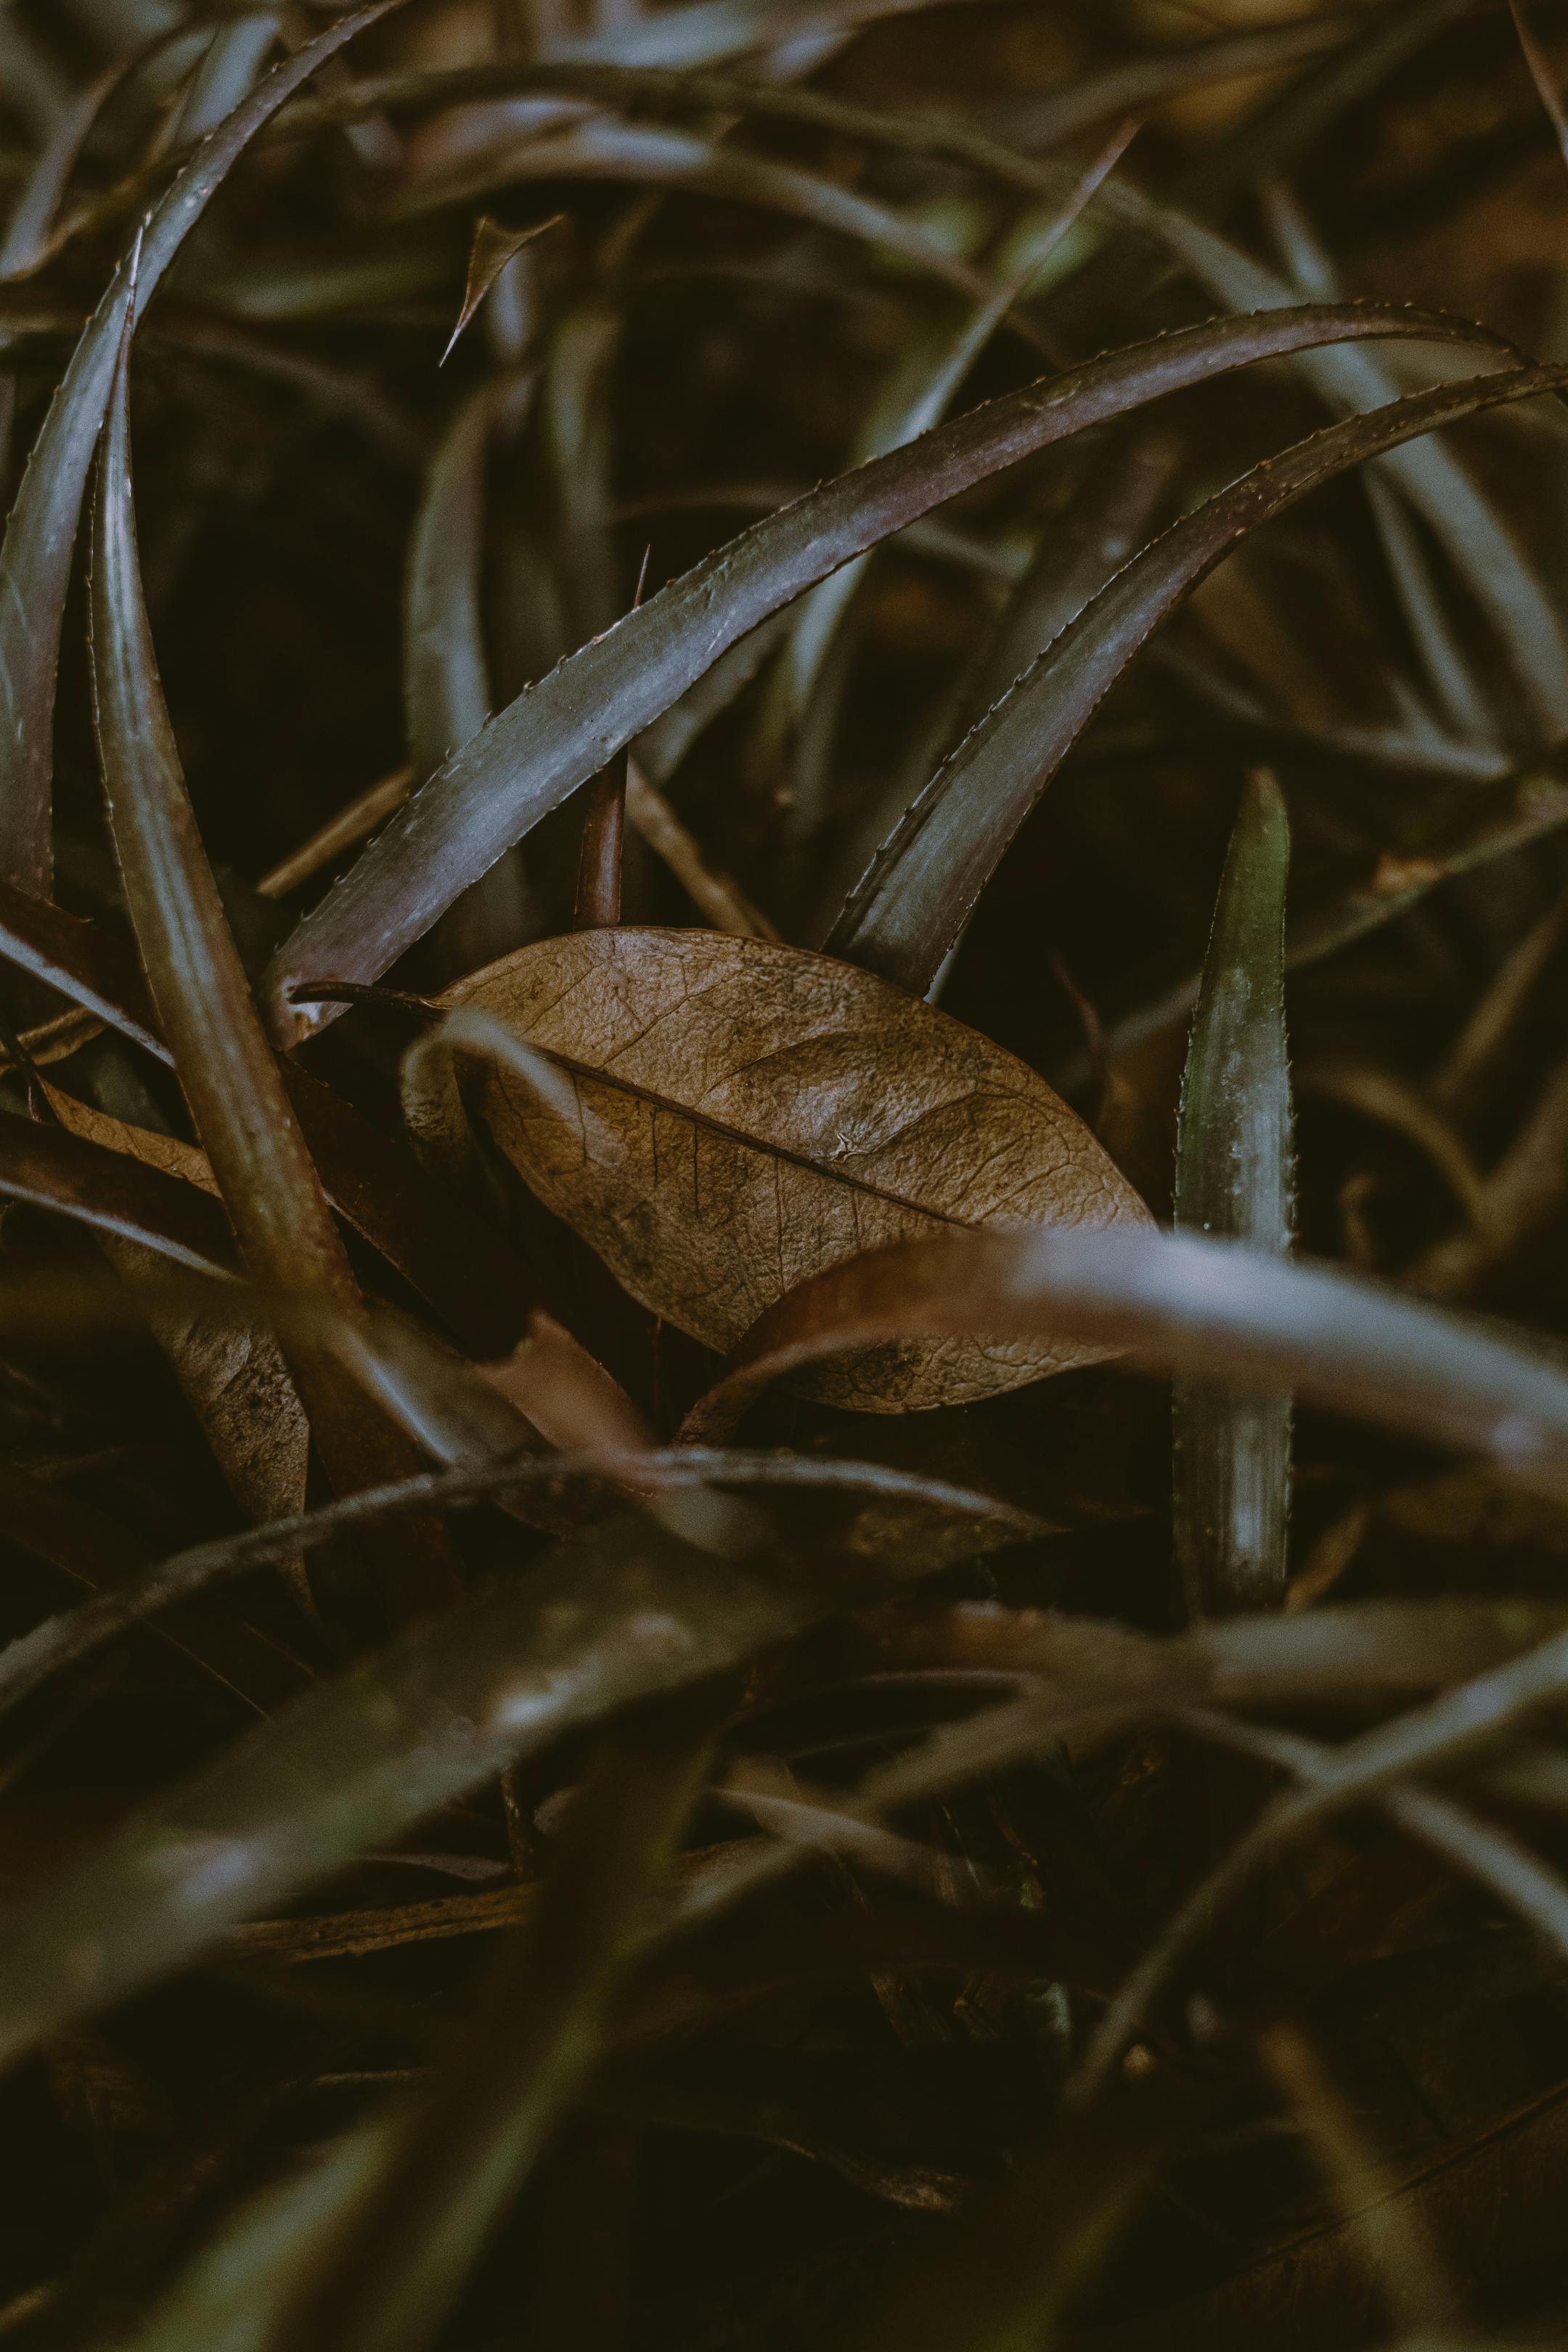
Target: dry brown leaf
(745,1115)
(166,1152)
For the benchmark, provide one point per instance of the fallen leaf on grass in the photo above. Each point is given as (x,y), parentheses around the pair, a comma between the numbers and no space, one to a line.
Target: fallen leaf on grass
(735,1116)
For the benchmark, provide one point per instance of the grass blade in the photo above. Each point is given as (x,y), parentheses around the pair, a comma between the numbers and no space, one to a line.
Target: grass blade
(447,682)
(1530,807)
(231,1081)
(921,890)
(461,1265)
(1436,485)
(1108,524)
(36,560)
(706,29)
(1234,1177)
(393,2263)
(913,399)
(1210,1309)
(1142,83)
(1396,2244)
(567,728)
(625,1613)
(28,1662)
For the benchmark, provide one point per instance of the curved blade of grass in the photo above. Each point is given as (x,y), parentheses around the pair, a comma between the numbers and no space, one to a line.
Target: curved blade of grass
(569,726)
(226,1070)
(223,80)
(29,1661)
(445,681)
(1106,526)
(1038,123)
(26,236)
(1443,1736)
(1231,1461)
(1399,2249)
(1449,674)
(922,887)
(393,2214)
(578,435)
(1540,74)
(194,976)
(89,965)
(1435,483)
(1375,1647)
(914,397)
(36,560)
(1106,533)
(464,1267)
(44,1517)
(726,28)
(446,687)
(625,1613)
(1210,1309)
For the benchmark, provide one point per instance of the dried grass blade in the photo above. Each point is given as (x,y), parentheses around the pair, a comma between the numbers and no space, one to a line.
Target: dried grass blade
(1459,514)
(494,246)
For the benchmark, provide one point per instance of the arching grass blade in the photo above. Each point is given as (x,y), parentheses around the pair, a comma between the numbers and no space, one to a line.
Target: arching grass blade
(918,892)
(36,560)
(568,727)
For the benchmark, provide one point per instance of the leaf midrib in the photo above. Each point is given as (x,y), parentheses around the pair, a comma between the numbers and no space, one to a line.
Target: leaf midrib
(746,1142)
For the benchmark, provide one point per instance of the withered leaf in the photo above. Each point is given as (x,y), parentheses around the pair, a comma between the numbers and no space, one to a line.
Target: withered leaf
(744,1115)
